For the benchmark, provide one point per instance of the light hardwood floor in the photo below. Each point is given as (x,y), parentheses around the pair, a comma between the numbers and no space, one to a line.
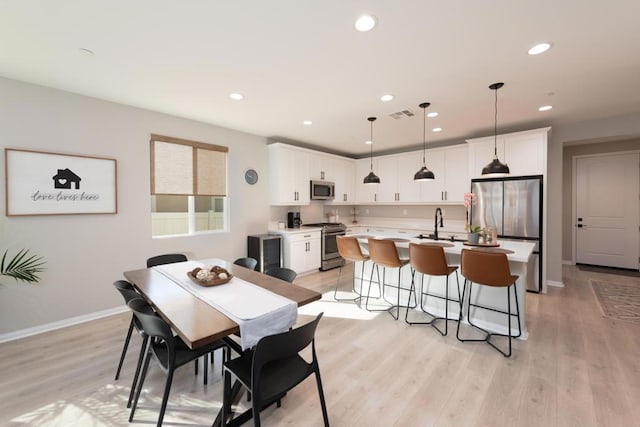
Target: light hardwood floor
(576,369)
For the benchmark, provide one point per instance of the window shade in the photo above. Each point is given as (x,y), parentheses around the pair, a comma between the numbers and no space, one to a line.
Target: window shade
(183,167)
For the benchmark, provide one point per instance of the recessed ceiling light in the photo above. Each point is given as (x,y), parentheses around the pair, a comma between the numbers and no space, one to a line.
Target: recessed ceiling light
(86,52)
(437,129)
(386,98)
(539,48)
(236,96)
(432,114)
(368,142)
(365,23)
(545,108)
(307,122)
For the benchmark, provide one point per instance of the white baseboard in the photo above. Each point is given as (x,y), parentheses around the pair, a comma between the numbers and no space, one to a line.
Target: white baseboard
(555,284)
(23,333)
(568,262)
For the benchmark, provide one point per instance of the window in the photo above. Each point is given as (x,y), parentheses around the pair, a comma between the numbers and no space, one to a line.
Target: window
(188,186)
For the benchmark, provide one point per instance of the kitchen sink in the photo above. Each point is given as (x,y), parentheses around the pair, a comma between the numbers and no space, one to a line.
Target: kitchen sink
(443,238)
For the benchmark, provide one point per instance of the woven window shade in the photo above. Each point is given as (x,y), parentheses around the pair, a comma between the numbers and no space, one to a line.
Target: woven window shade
(172,168)
(211,169)
(182,167)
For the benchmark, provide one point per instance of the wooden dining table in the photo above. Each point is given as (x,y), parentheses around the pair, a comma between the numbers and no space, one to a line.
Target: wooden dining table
(195,321)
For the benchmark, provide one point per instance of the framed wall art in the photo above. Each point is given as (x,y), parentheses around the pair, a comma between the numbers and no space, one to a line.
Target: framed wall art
(42,183)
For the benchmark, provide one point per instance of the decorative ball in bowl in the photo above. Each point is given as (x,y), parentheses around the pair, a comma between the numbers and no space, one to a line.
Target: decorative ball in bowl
(210,275)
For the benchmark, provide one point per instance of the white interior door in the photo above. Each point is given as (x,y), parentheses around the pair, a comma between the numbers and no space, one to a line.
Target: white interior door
(608,210)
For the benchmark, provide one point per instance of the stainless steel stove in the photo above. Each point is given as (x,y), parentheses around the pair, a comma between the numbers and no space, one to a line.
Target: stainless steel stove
(330,256)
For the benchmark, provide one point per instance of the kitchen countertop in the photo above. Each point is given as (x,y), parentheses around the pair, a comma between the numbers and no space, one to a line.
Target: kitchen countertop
(289,231)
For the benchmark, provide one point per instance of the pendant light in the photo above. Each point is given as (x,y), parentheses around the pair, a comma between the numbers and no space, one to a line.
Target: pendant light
(495,168)
(372,178)
(424,174)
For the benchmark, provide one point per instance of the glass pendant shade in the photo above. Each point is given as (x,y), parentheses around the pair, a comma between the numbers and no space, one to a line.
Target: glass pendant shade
(495,168)
(424,174)
(372,178)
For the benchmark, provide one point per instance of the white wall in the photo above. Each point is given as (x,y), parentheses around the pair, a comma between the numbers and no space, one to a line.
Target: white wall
(86,253)
(625,127)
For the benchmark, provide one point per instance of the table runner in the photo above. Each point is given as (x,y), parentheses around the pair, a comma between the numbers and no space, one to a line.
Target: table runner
(257,311)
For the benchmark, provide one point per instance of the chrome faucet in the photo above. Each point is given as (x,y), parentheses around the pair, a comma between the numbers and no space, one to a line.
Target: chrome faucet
(435,232)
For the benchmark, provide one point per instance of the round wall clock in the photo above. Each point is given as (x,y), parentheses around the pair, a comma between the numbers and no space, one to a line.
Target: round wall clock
(251,176)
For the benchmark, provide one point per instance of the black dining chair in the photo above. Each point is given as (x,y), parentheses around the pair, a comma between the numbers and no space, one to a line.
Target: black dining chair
(165,259)
(283,273)
(249,263)
(272,369)
(169,351)
(129,293)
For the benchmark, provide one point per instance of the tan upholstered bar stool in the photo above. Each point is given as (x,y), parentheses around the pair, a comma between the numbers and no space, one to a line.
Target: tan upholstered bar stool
(349,249)
(489,269)
(430,260)
(383,252)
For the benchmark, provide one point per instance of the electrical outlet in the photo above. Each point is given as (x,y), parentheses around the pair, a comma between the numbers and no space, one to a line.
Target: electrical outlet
(404,212)
(366,211)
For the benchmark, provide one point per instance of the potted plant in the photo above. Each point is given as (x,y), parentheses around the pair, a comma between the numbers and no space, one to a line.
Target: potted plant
(474,234)
(22,266)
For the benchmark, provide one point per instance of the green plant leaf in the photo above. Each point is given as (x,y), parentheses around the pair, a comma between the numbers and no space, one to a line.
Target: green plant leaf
(23,266)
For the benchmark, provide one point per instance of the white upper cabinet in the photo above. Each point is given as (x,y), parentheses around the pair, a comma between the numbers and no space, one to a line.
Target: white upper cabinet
(366,193)
(288,175)
(292,168)
(524,152)
(343,176)
(450,167)
(321,167)
(396,178)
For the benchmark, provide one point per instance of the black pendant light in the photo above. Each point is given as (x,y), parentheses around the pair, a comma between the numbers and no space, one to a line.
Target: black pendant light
(495,168)
(372,178)
(424,174)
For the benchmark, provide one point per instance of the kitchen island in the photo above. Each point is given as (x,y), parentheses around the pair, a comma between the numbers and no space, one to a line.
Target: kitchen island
(520,264)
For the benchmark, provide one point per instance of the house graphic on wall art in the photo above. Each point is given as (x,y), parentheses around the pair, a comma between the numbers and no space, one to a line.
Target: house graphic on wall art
(65,178)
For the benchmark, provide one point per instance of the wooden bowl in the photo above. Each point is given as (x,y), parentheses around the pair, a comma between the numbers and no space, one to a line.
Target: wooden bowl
(213,282)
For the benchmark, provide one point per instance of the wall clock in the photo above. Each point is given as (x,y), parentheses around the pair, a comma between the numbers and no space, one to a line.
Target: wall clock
(251,176)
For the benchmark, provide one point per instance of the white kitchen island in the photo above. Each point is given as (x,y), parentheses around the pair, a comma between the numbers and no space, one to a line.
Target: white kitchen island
(520,264)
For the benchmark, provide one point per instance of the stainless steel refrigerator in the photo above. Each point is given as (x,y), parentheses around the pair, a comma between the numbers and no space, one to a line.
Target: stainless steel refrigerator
(513,206)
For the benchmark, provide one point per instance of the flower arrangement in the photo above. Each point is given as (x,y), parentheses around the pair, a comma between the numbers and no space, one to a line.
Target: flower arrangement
(470,200)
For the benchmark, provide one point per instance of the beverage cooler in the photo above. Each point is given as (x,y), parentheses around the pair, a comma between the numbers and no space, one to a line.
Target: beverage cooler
(267,249)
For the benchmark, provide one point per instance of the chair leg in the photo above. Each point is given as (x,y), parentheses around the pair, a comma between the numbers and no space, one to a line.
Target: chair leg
(226,399)
(143,374)
(323,405)
(143,351)
(255,406)
(205,359)
(381,289)
(165,396)
(124,349)
(490,335)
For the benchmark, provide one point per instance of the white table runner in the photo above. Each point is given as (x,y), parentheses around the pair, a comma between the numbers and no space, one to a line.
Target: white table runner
(256,310)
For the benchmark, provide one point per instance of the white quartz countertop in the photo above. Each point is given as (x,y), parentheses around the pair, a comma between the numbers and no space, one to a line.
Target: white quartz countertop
(289,231)
(521,250)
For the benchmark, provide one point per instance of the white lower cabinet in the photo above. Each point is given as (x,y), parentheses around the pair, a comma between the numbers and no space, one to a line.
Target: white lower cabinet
(302,251)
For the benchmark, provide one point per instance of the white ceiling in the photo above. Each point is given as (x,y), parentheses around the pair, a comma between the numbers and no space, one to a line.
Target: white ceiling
(296,60)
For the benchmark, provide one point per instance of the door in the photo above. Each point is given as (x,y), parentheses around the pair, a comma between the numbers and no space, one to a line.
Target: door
(607,210)
(522,208)
(487,211)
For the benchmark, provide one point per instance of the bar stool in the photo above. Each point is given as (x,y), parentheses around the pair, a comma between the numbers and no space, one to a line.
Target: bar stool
(489,269)
(349,249)
(383,252)
(431,260)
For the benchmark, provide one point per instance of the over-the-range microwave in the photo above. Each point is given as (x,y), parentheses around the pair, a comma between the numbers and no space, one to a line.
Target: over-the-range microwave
(322,190)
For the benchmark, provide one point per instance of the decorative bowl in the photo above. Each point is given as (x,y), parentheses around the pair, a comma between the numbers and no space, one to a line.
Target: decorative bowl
(213,275)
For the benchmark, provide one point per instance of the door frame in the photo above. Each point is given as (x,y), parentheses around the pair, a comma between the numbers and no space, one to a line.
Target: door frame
(574,195)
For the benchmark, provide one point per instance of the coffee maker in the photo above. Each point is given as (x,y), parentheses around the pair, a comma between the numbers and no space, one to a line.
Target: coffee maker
(293,220)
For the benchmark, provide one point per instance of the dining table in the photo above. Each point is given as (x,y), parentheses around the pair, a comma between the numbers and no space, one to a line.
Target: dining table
(199,323)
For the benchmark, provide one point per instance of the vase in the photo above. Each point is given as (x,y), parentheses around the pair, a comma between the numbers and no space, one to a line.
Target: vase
(473,238)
